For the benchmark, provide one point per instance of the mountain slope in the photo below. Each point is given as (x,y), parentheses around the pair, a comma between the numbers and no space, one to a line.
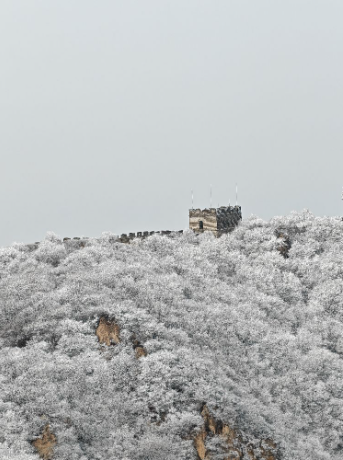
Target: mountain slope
(179,347)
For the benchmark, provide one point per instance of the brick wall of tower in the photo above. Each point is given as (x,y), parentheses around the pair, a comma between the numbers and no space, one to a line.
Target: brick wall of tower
(218,221)
(208,217)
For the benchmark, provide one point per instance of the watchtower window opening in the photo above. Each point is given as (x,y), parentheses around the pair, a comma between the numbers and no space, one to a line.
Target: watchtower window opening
(201,225)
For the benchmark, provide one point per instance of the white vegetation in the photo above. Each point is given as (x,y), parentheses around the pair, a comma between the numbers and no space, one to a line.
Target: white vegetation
(226,321)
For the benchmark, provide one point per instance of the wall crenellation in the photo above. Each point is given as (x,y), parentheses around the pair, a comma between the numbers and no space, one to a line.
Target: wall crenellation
(125,238)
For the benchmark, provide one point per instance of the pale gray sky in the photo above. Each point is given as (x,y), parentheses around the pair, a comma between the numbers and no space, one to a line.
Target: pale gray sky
(112,111)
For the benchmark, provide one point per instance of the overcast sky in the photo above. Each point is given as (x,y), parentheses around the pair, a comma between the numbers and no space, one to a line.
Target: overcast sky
(112,111)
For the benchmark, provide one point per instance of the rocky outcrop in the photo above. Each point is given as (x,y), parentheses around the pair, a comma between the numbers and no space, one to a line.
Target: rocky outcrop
(108,331)
(229,441)
(45,444)
(140,351)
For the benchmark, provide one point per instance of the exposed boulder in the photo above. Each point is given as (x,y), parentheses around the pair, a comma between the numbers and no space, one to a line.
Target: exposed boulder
(45,444)
(140,351)
(108,331)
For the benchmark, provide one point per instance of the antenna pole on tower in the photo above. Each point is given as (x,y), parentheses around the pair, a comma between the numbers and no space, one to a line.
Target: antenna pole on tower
(192,198)
(211,196)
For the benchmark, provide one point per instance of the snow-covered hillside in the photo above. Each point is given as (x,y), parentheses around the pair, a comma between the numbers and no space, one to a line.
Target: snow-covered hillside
(217,348)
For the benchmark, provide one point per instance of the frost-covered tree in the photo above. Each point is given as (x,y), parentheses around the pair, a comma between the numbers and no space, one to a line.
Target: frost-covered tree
(228,322)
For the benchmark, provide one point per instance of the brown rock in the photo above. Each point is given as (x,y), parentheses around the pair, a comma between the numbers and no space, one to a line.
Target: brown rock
(108,331)
(268,448)
(251,454)
(199,444)
(210,423)
(234,446)
(140,351)
(45,443)
(138,347)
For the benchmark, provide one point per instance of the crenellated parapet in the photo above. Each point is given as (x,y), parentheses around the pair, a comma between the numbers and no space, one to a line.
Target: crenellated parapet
(127,237)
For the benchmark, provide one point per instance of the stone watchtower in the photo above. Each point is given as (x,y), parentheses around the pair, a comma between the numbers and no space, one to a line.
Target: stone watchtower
(217,220)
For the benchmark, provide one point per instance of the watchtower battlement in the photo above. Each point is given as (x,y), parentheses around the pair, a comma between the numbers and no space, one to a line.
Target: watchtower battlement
(216,220)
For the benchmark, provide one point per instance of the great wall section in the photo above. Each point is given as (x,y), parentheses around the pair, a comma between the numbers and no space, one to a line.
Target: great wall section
(219,221)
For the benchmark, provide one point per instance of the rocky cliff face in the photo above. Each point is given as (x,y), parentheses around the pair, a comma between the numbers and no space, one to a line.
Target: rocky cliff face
(231,443)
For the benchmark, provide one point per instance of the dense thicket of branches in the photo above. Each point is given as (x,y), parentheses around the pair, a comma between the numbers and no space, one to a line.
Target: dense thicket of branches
(228,321)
